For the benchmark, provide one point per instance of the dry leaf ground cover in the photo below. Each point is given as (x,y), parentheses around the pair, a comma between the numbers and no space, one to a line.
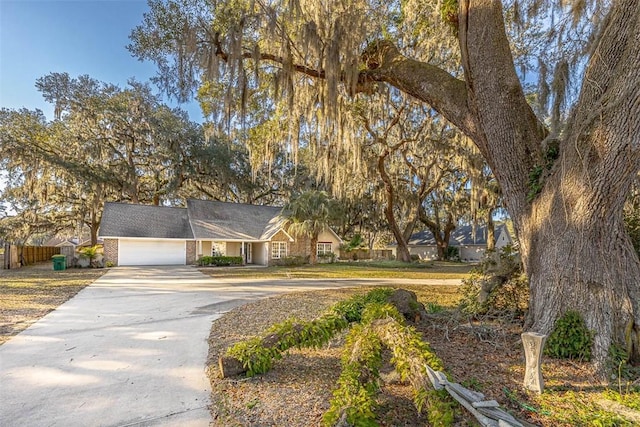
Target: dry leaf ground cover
(485,357)
(29,293)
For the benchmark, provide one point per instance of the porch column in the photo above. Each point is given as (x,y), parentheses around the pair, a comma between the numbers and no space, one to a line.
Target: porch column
(244,261)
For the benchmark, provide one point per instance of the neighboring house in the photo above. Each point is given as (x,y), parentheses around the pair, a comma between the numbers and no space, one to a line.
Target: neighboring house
(61,241)
(471,246)
(158,235)
(71,241)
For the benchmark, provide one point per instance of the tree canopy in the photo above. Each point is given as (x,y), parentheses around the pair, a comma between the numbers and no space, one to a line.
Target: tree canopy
(564,156)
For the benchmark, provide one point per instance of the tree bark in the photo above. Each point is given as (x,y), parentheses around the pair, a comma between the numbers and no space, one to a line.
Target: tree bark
(440,234)
(491,232)
(402,251)
(313,252)
(593,267)
(575,250)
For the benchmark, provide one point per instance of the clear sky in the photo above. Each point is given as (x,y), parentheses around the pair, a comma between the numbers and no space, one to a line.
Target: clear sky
(38,37)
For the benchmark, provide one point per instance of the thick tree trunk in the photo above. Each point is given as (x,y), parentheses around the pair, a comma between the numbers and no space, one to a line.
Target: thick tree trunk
(573,245)
(440,234)
(581,260)
(94,233)
(578,255)
(574,248)
(313,251)
(491,232)
(402,251)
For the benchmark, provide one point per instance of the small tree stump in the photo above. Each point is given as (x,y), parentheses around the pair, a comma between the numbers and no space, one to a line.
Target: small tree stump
(533,344)
(230,367)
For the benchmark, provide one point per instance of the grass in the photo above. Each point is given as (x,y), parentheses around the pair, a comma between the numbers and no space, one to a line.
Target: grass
(29,293)
(597,407)
(350,270)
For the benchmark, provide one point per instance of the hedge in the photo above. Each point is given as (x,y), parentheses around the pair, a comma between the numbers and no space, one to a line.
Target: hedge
(220,260)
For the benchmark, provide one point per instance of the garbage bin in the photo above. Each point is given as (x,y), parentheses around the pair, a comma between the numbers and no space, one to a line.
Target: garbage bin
(59,262)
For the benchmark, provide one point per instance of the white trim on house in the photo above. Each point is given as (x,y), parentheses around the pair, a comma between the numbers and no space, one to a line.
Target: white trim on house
(291,239)
(279,242)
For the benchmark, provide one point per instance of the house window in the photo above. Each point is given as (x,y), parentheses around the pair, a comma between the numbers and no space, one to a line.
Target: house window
(278,250)
(218,248)
(324,249)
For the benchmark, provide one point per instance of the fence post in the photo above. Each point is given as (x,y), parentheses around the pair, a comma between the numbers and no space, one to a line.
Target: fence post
(533,343)
(6,263)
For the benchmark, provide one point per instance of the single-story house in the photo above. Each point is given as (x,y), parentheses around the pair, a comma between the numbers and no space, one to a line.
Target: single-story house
(471,244)
(158,235)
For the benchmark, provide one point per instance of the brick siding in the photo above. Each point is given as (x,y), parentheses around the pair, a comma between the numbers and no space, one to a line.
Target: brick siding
(111,251)
(191,252)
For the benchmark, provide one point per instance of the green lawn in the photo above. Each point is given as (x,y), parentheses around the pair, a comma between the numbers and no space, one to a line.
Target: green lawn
(350,270)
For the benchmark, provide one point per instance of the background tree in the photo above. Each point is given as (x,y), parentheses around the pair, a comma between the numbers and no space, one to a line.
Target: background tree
(32,184)
(444,207)
(310,214)
(110,144)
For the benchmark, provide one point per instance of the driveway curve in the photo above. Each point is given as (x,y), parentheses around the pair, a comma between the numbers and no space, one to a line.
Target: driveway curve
(130,349)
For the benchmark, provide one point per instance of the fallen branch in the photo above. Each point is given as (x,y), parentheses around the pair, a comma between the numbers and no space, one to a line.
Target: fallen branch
(255,356)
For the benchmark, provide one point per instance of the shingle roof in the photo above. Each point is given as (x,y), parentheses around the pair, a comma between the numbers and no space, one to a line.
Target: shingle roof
(233,221)
(129,220)
(462,235)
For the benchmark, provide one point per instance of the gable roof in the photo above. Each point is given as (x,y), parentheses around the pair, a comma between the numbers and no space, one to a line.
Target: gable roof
(201,219)
(130,220)
(461,236)
(233,221)
(61,241)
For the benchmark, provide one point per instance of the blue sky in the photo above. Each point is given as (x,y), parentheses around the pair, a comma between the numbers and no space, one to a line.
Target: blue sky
(38,37)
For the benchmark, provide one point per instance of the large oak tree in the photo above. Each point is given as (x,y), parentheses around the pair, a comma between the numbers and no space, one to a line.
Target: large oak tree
(564,187)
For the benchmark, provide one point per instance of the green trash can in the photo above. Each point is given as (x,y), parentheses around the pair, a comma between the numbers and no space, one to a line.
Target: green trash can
(59,262)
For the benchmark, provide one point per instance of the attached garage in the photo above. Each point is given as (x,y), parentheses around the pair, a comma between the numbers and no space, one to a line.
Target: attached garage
(146,235)
(152,252)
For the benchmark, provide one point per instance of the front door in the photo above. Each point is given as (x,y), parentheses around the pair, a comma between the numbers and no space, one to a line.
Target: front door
(247,253)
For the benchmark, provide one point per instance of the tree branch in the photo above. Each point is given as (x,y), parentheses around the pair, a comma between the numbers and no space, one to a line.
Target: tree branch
(428,83)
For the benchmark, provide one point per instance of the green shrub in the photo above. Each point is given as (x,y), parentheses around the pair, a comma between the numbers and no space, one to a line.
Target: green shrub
(220,260)
(497,286)
(570,338)
(205,260)
(327,258)
(351,309)
(453,253)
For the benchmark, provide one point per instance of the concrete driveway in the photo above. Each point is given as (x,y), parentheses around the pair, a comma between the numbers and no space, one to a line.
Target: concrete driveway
(128,350)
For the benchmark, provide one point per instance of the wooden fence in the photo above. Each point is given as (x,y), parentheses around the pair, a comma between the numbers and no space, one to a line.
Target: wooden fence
(366,254)
(17,256)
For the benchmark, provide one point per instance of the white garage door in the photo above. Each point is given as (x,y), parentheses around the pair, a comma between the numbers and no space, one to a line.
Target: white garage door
(152,252)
